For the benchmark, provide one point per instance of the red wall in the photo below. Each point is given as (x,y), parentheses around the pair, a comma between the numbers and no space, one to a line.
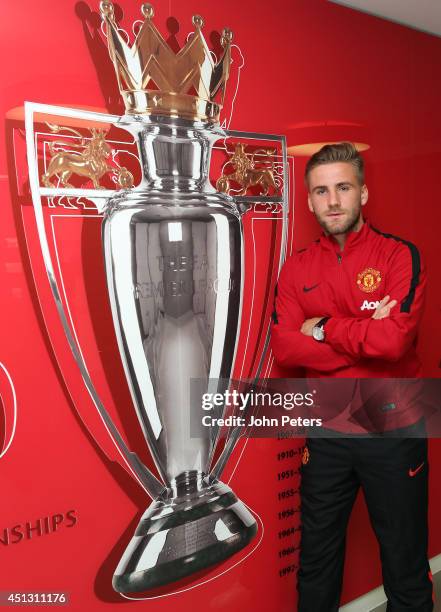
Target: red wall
(309,65)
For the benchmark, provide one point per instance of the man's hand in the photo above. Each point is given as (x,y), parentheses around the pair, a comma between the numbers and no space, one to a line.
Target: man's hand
(308,325)
(384,307)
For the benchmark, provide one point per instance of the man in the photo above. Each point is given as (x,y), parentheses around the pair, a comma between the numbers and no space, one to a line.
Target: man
(349,306)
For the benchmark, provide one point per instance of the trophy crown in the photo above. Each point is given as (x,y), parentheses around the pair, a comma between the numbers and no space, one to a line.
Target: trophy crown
(153,79)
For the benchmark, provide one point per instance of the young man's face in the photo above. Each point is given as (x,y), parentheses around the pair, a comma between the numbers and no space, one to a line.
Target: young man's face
(336,197)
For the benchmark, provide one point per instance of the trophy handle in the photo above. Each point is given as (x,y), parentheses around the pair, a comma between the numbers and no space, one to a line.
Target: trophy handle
(147,479)
(244,204)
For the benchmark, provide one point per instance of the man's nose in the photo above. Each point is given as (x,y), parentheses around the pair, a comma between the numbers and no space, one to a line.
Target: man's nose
(333,199)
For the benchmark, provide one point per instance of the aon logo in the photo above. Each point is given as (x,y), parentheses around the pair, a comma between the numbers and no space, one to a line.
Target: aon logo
(369,305)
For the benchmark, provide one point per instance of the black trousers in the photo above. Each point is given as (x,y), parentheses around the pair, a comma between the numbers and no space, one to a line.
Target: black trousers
(393,473)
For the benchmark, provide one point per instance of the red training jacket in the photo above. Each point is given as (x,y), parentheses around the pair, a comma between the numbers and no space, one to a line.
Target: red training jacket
(322,281)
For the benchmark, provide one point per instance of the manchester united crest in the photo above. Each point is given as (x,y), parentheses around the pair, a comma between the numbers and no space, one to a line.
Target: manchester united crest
(305,455)
(368,280)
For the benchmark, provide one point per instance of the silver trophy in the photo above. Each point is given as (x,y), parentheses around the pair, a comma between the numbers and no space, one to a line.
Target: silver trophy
(173,253)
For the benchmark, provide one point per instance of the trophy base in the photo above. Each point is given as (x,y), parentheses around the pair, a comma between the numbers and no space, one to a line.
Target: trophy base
(183,532)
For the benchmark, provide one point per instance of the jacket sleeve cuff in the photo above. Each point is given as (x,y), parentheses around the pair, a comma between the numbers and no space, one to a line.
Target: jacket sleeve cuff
(330,329)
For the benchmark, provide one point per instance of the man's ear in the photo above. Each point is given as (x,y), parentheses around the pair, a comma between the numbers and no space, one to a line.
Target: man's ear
(309,203)
(364,195)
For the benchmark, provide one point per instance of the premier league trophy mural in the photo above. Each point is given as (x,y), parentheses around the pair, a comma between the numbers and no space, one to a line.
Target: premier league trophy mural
(173,251)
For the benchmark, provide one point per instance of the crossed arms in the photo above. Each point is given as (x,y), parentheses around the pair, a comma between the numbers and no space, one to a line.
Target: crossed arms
(387,335)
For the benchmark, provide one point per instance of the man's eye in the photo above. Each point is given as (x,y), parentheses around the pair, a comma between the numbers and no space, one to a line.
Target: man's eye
(321,191)
(344,187)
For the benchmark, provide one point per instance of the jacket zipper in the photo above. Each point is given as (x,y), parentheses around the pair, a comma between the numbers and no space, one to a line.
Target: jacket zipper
(340,282)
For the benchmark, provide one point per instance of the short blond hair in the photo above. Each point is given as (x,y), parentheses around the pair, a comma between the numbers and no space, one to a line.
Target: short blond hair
(337,152)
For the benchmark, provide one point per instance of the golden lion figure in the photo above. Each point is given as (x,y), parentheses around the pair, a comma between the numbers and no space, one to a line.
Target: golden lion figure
(245,172)
(90,162)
